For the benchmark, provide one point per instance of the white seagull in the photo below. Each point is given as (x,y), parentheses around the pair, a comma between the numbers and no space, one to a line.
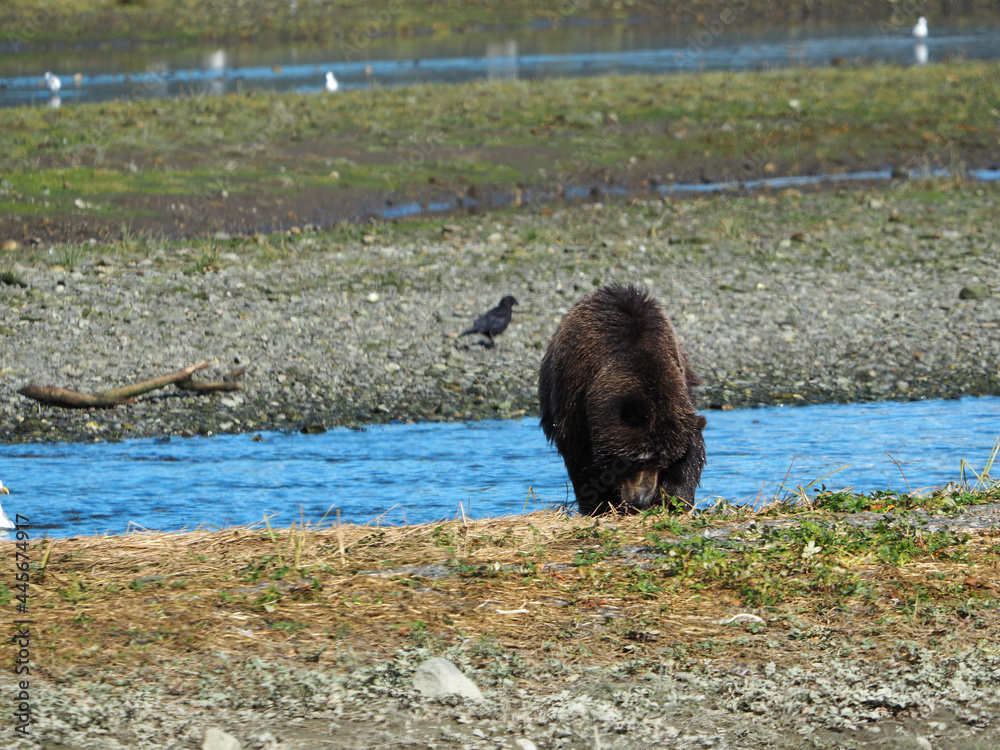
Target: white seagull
(920,30)
(5,523)
(52,82)
(331,82)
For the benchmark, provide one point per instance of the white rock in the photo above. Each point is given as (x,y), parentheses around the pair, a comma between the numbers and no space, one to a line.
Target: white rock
(216,739)
(437,678)
(523,744)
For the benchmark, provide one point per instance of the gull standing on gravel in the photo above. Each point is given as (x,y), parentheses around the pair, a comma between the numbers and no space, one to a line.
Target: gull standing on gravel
(331,82)
(52,82)
(920,30)
(5,523)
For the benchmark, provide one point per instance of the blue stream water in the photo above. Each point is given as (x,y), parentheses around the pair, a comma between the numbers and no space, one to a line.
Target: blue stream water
(424,472)
(573,50)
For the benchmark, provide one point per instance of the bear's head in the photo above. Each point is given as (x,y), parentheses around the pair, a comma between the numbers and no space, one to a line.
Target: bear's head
(645,435)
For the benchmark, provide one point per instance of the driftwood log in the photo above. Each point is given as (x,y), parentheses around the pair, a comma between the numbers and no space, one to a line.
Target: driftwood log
(52,396)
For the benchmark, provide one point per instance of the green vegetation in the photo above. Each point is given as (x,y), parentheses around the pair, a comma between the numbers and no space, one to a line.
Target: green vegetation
(140,162)
(830,571)
(354,24)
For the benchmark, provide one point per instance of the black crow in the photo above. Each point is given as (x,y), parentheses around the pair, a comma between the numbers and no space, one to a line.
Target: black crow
(495,321)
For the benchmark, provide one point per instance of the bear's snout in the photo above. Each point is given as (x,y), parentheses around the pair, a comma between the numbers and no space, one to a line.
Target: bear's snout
(640,489)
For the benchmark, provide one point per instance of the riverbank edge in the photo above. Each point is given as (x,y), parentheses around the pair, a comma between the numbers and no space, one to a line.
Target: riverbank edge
(36,24)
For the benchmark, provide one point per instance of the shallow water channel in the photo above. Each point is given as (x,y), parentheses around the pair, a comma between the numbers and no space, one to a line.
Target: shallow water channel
(412,473)
(115,72)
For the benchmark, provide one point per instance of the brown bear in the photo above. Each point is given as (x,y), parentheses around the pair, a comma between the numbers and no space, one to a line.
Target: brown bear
(616,396)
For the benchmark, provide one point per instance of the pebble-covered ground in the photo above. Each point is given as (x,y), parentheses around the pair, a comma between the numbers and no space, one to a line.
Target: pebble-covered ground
(777,299)
(922,699)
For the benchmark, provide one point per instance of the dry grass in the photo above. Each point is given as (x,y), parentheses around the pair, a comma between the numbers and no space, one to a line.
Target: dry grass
(545,584)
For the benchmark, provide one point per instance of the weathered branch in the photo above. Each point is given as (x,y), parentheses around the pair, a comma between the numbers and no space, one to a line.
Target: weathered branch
(53,396)
(228,383)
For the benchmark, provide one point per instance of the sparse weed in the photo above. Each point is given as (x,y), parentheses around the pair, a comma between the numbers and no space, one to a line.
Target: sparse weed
(70,254)
(208,260)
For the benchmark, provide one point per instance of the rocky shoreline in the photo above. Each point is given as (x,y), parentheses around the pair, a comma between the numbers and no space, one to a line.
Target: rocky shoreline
(921,700)
(777,299)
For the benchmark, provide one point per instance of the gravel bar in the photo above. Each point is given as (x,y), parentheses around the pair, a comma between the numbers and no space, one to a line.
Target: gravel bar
(778,299)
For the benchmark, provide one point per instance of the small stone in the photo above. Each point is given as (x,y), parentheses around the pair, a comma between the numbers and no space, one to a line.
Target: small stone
(216,739)
(495,237)
(374,297)
(974,291)
(222,236)
(437,678)
(525,744)
(9,245)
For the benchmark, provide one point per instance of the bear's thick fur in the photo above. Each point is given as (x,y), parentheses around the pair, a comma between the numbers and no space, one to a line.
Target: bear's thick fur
(616,396)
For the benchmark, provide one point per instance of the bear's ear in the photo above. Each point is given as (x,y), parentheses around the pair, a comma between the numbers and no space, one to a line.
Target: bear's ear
(700,422)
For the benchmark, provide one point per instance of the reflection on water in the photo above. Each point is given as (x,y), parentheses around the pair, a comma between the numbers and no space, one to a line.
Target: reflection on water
(417,208)
(501,60)
(580,50)
(425,472)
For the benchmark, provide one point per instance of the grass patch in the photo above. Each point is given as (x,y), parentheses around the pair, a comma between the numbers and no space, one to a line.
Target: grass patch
(528,584)
(437,141)
(356,25)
